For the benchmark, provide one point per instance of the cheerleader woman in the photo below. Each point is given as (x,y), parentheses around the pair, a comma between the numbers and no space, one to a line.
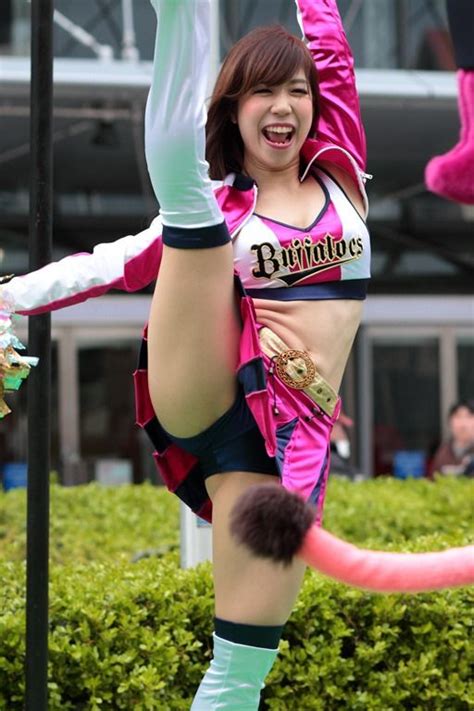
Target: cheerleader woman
(262,255)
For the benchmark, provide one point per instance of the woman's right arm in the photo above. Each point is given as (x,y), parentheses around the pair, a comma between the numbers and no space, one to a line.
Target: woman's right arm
(129,264)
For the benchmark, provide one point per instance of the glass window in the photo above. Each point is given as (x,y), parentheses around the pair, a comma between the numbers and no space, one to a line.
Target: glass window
(19,27)
(238,18)
(406,401)
(5,25)
(465,368)
(104,21)
(415,33)
(108,432)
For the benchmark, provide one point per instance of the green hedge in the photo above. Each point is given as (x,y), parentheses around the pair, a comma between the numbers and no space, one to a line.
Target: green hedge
(127,635)
(95,523)
(100,523)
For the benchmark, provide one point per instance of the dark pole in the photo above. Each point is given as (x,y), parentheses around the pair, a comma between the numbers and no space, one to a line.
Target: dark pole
(39,344)
(402,30)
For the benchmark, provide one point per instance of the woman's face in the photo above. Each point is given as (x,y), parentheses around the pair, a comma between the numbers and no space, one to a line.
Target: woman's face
(274,122)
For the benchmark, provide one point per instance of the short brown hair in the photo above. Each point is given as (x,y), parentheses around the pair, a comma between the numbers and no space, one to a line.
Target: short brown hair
(268,55)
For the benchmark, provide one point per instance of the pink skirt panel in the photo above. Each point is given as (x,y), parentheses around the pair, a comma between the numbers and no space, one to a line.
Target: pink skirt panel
(257,394)
(305,457)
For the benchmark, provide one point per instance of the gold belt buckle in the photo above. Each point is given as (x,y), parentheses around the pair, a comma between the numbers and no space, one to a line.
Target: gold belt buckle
(303,373)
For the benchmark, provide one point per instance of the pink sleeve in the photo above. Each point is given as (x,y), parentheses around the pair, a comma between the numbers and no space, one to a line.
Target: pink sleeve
(128,264)
(340,120)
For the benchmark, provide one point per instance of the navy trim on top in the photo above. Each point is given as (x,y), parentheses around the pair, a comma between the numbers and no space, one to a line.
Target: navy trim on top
(243,182)
(196,237)
(347,289)
(338,184)
(327,201)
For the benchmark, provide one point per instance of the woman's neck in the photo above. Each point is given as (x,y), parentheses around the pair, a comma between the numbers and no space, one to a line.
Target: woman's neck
(271,180)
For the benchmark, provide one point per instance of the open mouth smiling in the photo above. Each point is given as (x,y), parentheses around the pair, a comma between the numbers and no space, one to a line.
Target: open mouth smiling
(279,136)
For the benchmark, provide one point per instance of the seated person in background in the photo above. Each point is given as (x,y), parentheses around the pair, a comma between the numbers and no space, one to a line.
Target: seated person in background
(456,456)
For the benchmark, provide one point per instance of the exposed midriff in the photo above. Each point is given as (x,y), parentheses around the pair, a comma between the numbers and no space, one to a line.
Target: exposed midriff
(325,329)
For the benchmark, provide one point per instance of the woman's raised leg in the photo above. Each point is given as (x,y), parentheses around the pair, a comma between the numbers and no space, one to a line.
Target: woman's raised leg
(193,337)
(194,327)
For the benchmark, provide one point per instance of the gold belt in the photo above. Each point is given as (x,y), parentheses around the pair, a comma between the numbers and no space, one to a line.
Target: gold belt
(297,370)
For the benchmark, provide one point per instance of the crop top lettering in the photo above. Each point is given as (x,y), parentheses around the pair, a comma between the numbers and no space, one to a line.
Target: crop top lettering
(328,260)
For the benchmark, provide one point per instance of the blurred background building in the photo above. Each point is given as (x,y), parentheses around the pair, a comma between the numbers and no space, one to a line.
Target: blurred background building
(414,353)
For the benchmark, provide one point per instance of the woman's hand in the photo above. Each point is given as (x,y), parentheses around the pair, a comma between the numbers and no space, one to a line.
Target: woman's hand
(13,367)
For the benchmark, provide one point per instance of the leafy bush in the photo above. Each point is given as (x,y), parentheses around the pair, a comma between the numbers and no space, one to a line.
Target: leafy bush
(386,511)
(95,523)
(122,635)
(100,523)
(127,635)
(138,636)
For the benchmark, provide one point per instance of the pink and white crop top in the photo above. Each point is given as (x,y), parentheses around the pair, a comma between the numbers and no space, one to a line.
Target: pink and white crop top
(330,259)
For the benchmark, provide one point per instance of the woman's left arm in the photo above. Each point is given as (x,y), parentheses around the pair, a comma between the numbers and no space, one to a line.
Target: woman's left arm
(340,121)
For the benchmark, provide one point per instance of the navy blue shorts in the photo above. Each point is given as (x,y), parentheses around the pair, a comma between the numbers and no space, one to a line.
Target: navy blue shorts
(231,443)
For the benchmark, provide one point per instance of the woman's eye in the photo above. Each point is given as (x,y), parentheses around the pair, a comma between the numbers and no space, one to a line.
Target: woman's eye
(303,92)
(261,90)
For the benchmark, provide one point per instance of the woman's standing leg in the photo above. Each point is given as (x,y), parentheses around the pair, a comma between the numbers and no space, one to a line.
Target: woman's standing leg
(194,327)
(253,600)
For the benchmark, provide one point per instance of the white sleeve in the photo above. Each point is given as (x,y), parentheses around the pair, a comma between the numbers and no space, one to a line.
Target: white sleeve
(129,264)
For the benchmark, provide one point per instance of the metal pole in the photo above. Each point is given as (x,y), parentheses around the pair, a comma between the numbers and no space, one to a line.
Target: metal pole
(39,343)
(129,43)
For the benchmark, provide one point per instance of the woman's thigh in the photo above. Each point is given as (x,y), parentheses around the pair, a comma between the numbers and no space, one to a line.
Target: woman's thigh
(247,589)
(193,339)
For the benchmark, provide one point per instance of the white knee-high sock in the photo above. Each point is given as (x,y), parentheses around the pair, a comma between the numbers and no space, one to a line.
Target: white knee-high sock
(175,115)
(235,677)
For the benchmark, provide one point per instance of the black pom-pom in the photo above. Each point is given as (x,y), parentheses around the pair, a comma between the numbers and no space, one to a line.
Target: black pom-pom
(271,521)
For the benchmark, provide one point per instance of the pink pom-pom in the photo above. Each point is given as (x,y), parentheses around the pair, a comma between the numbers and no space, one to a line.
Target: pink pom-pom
(278,525)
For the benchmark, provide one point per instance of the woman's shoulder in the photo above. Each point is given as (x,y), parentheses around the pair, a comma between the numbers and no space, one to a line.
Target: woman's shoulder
(346,182)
